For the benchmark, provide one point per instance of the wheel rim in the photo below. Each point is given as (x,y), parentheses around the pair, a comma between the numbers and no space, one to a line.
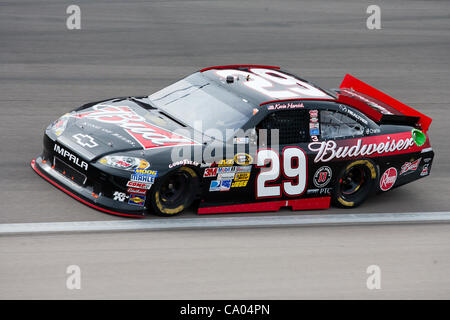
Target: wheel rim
(353,181)
(173,189)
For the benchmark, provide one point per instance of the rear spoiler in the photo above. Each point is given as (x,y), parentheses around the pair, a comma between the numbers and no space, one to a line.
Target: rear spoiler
(379,106)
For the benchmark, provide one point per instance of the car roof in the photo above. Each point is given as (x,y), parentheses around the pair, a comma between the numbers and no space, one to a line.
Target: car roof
(259,84)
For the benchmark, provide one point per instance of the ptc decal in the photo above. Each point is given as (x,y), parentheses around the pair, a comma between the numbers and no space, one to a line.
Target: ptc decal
(322,177)
(388,179)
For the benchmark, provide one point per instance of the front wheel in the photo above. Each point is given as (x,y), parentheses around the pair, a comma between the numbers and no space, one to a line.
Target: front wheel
(354,184)
(174,192)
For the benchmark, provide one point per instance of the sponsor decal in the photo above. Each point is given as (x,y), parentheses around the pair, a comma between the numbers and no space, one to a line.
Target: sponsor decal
(243,176)
(281,106)
(139,185)
(352,114)
(322,176)
(210,172)
(85,140)
(119,196)
(220,185)
(142,178)
(70,156)
(321,191)
(371,146)
(225,162)
(424,170)
(314,129)
(137,191)
(146,134)
(137,200)
(388,179)
(243,159)
(151,173)
(371,103)
(409,167)
(239,184)
(372,131)
(183,163)
(226,169)
(244,169)
(226,176)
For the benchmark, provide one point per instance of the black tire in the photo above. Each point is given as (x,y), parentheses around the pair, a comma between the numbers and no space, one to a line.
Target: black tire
(174,192)
(354,184)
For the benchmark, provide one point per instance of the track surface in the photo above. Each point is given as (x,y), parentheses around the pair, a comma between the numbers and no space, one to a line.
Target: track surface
(135,48)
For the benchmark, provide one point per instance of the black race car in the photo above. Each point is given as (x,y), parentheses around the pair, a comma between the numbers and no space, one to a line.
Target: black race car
(237,138)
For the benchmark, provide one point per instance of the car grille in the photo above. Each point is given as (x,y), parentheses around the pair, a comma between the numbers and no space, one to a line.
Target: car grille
(69,171)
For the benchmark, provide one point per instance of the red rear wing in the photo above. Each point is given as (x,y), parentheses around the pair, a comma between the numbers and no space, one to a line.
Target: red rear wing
(378,105)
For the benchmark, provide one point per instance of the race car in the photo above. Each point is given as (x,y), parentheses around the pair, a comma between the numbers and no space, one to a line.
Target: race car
(236,138)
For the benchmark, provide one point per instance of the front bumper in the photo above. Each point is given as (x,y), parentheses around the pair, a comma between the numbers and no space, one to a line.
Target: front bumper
(83,194)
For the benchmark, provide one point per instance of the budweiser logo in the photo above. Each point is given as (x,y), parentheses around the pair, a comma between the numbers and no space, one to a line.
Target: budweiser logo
(148,135)
(388,179)
(329,150)
(410,166)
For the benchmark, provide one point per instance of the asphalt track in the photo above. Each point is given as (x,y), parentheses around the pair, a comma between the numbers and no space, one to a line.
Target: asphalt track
(135,48)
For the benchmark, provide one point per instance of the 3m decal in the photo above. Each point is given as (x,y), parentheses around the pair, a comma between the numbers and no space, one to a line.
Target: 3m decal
(388,179)
(322,176)
(146,134)
(210,172)
(295,176)
(409,167)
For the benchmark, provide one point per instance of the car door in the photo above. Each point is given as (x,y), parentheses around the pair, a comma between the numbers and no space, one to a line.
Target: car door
(281,165)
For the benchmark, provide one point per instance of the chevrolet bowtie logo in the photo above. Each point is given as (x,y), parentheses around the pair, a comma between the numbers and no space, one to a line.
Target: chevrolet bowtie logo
(85,140)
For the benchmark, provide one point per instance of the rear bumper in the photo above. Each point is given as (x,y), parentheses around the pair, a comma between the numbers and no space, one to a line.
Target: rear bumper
(82,194)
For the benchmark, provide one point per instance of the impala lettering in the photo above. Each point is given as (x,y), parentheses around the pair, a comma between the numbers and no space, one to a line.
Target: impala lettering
(70,156)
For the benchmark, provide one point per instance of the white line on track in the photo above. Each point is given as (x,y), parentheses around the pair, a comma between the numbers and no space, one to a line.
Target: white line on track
(228,222)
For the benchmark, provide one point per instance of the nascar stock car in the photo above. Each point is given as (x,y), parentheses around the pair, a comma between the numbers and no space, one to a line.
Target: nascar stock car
(239,138)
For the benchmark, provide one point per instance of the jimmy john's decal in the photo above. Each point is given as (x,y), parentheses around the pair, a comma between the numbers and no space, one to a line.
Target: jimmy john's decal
(322,176)
(146,134)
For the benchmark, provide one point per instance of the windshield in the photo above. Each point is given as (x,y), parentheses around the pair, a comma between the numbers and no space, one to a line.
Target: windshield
(203,106)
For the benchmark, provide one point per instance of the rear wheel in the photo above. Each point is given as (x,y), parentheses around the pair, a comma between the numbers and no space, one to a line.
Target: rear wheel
(355,183)
(174,192)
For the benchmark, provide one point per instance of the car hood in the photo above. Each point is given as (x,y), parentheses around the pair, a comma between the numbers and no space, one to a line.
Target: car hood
(111,127)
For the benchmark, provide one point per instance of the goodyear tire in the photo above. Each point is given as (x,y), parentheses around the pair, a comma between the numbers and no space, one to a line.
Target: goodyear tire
(354,184)
(174,192)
